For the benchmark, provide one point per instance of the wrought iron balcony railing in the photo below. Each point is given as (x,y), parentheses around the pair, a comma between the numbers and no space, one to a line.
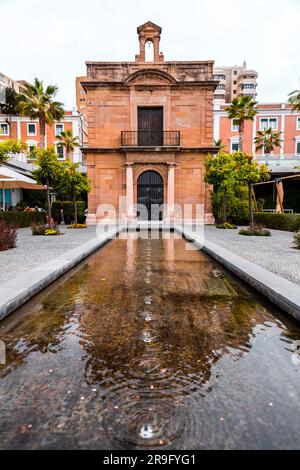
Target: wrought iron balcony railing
(150,138)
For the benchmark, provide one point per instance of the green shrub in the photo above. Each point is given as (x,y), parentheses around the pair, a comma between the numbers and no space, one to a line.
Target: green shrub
(22,204)
(33,198)
(254,233)
(80,207)
(56,206)
(8,236)
(297,240)
(21,219)
(68,207)
(260,204)
(289,222)
(237,205)
(56,214)
(239,211)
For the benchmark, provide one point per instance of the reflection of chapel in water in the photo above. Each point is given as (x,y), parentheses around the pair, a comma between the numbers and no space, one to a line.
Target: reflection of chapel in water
(150,127)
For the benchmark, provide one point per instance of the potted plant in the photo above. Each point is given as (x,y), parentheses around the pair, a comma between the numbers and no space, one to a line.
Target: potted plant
(56,211)
(80,212)
(68,211)
(75,182)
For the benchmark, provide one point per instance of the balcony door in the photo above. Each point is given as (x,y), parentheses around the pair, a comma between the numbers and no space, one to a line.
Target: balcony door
(150,126)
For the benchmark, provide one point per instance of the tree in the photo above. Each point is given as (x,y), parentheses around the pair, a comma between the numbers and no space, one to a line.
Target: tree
(268,140)
(10,107)
(48,173)
(11,147)
(242,109)
(294,100)
(74,181)
(220,171)
(68,141)
(37,103)
(249,171)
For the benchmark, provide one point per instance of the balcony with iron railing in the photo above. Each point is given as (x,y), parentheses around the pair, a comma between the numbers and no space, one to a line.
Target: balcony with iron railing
(150,138)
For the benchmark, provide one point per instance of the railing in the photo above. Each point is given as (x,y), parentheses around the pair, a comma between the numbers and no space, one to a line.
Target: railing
(150,138)
(278,156)
(277,162)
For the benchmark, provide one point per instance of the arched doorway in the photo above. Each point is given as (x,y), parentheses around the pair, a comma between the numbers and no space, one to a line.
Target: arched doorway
(150,192)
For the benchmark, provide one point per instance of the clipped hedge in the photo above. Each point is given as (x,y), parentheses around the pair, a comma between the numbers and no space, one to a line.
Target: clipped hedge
(80,207)
(20,219)
(288,222)
(68,207)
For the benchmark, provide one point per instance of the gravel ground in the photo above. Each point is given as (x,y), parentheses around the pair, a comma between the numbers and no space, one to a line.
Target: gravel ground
(32,251)
(273,253)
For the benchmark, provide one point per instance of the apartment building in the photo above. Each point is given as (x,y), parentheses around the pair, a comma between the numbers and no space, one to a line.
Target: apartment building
(234,82)
(7,82)
(278,116)
(28,130)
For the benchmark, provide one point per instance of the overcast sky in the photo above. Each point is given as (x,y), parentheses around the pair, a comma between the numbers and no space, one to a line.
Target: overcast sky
(52,39)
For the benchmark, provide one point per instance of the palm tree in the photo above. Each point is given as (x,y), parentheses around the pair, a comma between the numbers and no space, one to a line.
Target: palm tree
(67,140)
(268,140)
(37,103)
(294,100)
(242,109)
(10,106)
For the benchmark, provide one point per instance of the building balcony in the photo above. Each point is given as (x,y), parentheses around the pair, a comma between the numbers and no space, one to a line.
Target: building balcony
(220,91)
(280,163)
(150,138)
(252,93)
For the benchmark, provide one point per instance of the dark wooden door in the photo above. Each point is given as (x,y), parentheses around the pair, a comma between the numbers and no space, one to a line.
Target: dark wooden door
(150,126)
(151,193)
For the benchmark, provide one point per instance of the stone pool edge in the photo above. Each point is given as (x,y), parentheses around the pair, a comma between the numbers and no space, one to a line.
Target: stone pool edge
(18,290)
(281,292)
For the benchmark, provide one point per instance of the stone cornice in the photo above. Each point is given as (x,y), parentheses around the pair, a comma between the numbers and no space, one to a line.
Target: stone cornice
(151,64)
(206,149)
(212,84)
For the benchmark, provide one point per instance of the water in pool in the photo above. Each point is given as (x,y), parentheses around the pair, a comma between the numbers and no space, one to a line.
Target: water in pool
(149,345)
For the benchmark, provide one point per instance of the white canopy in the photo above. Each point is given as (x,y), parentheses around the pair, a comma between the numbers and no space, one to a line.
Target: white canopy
(10,179)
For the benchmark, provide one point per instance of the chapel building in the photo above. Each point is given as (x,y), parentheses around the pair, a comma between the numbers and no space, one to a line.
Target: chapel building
(150,127)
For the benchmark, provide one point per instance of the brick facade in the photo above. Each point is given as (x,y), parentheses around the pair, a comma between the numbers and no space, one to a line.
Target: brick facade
(114,92)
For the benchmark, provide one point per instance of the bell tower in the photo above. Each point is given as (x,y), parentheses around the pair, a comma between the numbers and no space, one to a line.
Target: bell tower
(149,32)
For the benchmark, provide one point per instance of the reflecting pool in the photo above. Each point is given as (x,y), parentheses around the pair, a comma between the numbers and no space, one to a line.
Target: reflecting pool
(149,345)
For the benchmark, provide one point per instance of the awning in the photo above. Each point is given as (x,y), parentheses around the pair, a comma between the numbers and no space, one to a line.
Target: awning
(10,179)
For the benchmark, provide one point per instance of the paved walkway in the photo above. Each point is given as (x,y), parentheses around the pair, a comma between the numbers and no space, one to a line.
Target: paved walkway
(274,253)
(33,251)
